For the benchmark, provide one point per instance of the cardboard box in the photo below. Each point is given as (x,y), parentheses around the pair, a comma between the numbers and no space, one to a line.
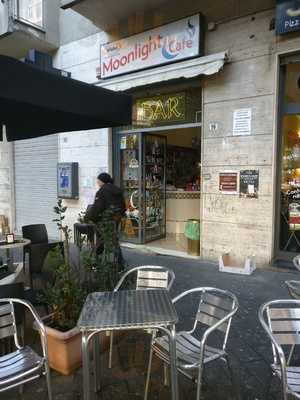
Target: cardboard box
(227,263)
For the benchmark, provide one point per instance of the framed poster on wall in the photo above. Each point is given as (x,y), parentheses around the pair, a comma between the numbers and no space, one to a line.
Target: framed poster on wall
(67,181)
(249,181)
(228,182)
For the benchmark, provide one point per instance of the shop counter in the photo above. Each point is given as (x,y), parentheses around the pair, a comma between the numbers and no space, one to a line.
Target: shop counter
(181,206)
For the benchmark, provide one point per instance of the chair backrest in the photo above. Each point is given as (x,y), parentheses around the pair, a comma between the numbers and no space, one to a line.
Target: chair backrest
(296,262)
(149,277)
(281,321)
(36,233)
(294,288)
(14,290)
(8,327)
(215,310)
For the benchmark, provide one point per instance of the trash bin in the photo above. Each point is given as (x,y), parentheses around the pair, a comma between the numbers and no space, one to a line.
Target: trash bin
(192,233)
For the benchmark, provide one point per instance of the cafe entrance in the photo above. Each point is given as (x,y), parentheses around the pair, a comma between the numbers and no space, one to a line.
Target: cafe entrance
(158,166)
(288,198)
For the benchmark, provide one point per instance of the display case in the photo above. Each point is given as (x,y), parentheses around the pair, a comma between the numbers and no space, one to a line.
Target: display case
(140,168)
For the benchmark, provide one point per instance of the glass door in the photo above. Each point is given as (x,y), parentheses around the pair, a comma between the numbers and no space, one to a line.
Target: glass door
(289,172)
(154,187)
(129,177)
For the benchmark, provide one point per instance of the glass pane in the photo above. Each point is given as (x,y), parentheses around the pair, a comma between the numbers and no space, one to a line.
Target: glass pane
(130,183)
(292,83)
(31,11)
(155,200)
(290,185)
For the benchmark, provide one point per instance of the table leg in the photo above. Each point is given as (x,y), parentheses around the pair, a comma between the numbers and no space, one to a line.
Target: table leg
(85,366)
(174,379)
(96,361)
(9,260)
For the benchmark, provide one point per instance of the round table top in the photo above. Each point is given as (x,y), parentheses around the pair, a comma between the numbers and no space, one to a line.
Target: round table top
(20,242)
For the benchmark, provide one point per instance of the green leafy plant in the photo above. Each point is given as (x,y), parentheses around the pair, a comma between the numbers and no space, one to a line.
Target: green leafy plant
(97,270)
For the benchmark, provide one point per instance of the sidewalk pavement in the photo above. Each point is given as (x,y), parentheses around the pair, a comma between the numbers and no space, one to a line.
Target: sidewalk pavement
(248,345)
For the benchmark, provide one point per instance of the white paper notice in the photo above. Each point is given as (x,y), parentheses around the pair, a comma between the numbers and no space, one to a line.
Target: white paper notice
(242,122)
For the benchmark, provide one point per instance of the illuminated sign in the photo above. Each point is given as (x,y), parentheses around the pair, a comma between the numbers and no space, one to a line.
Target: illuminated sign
(178,40)
(170,108)
(287,16)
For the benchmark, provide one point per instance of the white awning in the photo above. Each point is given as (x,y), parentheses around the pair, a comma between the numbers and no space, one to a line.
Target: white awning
(207,65)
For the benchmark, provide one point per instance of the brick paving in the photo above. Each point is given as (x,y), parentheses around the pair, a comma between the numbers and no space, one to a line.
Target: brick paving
(248,346)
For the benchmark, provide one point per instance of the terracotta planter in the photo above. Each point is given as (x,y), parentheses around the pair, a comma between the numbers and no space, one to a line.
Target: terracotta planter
(64,348)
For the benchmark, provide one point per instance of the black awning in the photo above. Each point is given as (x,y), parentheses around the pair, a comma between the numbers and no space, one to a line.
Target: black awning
(36,103)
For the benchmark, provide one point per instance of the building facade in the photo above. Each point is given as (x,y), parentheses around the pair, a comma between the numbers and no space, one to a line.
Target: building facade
(245,129)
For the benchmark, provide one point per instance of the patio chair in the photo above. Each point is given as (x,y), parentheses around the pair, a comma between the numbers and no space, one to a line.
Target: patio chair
(281,321)
(212,321)
(294,289)
(38,248)
(146,277)
(23,364)
(296,262)
(13,290)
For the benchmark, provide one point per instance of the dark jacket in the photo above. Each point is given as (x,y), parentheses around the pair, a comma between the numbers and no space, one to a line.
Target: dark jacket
(108,196)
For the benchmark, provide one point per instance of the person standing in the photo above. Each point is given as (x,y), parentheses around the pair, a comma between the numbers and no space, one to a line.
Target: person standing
(110,198)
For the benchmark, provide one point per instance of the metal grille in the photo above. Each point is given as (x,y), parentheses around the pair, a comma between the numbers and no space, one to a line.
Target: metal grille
(36,182)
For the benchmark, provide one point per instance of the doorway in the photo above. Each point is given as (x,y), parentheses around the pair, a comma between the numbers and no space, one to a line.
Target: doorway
(288,198)
(159,172)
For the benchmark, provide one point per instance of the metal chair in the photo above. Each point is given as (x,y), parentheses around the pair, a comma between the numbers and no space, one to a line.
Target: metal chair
(294,289)
(23,364)
(281,321)
(294,286)
(296,262)
(38,248)
(214,314)
(147,277)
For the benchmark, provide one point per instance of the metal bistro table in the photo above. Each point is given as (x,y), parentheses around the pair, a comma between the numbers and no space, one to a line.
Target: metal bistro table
(15,269)
(124,310)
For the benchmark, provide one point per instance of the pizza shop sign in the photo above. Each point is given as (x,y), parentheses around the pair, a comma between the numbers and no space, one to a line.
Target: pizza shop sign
(178,40)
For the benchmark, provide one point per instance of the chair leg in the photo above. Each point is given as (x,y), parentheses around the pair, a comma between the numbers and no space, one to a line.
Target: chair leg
(111,343)
(21,390)
(166,375)
(48,379)
(199,381)
(232,380)
(148,374)
(268,386)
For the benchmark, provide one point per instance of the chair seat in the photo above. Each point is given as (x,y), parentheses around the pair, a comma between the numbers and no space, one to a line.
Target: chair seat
(187,349)
(293,377)
(14,365)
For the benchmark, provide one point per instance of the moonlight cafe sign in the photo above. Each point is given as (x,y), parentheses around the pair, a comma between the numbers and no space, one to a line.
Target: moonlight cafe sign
(178,40)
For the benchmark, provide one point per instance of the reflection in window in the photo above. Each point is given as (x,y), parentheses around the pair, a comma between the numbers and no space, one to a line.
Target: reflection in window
(31,11)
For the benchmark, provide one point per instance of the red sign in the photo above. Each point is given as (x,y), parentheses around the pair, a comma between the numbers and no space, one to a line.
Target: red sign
(228,182)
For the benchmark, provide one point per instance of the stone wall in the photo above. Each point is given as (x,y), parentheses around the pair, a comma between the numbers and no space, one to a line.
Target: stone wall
(242,227)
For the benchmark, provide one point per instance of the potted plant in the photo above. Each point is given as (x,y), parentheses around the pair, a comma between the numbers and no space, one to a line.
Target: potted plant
(68,285)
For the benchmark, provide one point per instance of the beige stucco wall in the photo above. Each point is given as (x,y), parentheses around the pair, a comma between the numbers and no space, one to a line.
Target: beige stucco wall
(242,227)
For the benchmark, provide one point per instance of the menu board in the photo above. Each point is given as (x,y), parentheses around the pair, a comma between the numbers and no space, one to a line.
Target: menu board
(228,182)
(249,182)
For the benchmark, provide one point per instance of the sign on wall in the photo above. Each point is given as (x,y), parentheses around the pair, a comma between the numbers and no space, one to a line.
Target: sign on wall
(169,108)
(228,182)
(178,40)
(67,181)
(249,181)
(287,16)
(242,122)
